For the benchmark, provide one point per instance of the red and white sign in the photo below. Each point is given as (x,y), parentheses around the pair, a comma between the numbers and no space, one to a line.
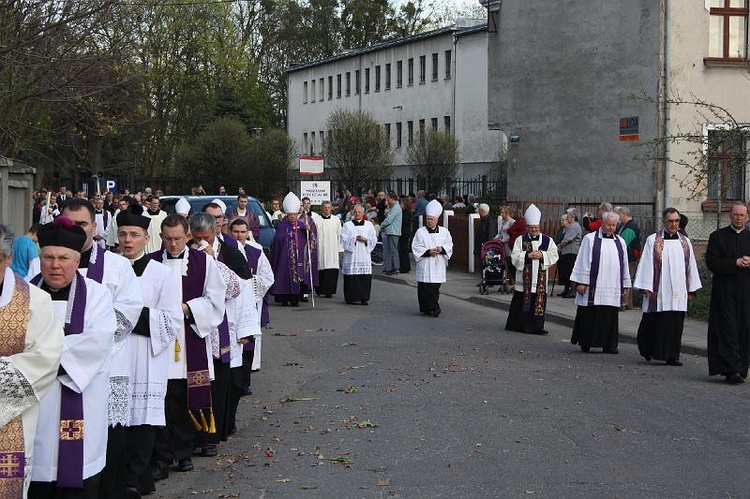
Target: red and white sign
(311,165)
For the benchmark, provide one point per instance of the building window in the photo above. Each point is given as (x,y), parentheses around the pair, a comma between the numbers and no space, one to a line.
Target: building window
(434,66)
(312,143)
(348,84)
(434,124)
(726,155)
(398,135)
(422,68)
(447,123)
(410,69)
(304,141)
(388,76)
(377,78)
(322,142)
(312,90)
(387,128)
(356,82)
(410,133)
(338,86)
(304,93)
(330,87)
(367,80)
(447,64)
(728,29)
(322,92)
(421,131)
(399,74)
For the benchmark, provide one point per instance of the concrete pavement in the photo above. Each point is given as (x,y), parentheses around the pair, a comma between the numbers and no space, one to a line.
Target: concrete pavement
(560,311)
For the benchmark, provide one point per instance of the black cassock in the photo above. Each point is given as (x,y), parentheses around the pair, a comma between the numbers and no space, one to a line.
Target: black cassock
(729,320)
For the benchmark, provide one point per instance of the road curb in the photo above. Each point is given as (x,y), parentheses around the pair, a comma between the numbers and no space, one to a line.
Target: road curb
(560,320)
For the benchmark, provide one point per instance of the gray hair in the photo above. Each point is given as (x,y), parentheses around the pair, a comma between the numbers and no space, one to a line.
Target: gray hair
(610,214)
(200,222)
(6,240)
(573,212)
(605,206)
(623,210)
(484,207)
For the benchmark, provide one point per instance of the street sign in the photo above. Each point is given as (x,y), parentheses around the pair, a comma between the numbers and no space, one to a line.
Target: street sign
(629,129)
(311,165)
(111,185)
(317,191)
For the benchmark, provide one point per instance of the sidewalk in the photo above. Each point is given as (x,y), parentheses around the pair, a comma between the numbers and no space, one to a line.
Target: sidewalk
(560,311)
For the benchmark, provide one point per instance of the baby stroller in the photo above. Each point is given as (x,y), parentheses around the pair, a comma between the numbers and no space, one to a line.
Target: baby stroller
(492,258)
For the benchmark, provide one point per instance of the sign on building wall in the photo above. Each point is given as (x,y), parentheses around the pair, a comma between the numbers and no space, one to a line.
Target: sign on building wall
(311,165)
(629,129)
(317,191)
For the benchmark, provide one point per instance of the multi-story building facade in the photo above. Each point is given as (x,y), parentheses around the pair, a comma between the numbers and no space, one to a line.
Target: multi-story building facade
(563,74)
(435,79)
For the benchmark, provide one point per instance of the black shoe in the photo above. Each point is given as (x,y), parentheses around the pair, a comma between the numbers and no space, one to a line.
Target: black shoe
(585,349)
(436,312)
(246,391)
(349,302)
(185,464)
(672,362)
(647,357)
(735,378)
(328,296)
(364,302)
(132,493)
(611,351)
(160,471)
(304,299)
(207,451)
(564,294)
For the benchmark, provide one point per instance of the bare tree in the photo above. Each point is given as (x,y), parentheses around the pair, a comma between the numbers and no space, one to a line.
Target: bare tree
(433,158)
(358,148)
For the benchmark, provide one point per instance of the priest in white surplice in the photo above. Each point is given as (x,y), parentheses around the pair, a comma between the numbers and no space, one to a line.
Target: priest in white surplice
(188,405)
(157,216)
(329,249)
(32,341)
(601,275)
(115,272)
(532,255)
(103,220)
(432,247)
(71,437)
(358,239)
(151,344)
(668,275)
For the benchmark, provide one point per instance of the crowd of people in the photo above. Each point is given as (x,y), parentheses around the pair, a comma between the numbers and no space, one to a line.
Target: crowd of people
(112,379)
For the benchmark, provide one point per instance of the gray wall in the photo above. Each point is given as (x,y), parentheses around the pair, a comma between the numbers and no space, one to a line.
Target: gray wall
(560,76)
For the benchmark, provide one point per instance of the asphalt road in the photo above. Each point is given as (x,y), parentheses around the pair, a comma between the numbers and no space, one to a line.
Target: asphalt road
(409,406)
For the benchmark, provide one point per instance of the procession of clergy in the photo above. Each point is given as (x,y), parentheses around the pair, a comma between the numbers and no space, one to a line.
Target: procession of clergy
(110,378)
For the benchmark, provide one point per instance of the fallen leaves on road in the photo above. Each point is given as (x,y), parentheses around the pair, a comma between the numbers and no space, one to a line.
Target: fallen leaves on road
(270,452)
(282,334)
(295,399)
(350,389)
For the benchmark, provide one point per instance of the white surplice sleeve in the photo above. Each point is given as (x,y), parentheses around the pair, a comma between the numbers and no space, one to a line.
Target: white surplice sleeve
(88,353)
(447,245)
(518,255)
(248,316)
(26,376)
(348,237)
(208,309)
(264,275)
(420,244)
(165,318)
(644,274)
(582,268)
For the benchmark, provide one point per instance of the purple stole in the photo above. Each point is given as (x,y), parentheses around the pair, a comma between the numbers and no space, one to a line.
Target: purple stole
(70,455)
(596,256)
(658,252)
(540,304)
(95,269)
(15,320)
(198,376)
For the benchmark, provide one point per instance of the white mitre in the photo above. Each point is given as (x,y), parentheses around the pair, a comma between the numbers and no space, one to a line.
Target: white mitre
(221,204)
(533,216)
(291,203)
(434,208)
(182,207)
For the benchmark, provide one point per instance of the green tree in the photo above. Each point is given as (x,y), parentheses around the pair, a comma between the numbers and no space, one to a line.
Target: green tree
(433,158)
(357,147)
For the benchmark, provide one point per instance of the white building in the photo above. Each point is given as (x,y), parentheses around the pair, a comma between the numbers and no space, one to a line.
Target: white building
(435,79)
